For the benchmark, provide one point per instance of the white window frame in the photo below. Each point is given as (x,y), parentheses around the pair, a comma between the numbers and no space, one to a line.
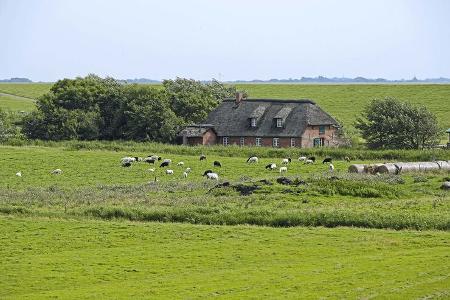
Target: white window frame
(258,141)
(225,141)
(242,141)
(279,122)
(276,142)
(293,142)
(324,129)
(253,122)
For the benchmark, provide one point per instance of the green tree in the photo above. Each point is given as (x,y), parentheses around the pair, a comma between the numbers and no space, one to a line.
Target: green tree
(148,115)
(393,124)
(193,100)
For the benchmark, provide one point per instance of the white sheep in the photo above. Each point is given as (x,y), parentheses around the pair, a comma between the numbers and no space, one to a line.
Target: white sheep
(283,170)
(57,172)
(285,161)
(271,166)
(252,159)
(127,160)
(188,170)
(309,162)
(331,167)
(302,158)
(19,174)
(180,164)
(212,176)
(185,174)
(169,172)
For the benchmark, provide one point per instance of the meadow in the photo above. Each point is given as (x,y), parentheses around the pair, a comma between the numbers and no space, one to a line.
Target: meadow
(89,259)
(94,185)
(345,101)
(14,103)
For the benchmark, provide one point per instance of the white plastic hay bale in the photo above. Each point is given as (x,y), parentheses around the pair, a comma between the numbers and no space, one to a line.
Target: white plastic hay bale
(356,168)
(428,166)
(444,165)
(388,168)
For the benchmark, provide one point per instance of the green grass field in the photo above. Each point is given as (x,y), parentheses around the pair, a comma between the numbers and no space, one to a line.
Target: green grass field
(342,101)
(13,103)
(93,184)
(53,258)
(27,90)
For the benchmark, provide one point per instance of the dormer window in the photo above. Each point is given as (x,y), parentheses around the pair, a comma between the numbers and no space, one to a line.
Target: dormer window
(279,122)
(253,122)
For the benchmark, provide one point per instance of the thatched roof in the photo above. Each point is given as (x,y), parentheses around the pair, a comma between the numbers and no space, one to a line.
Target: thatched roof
(231,119)
(195,130)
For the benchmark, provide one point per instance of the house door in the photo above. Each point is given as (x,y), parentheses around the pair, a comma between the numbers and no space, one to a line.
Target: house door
(318,142)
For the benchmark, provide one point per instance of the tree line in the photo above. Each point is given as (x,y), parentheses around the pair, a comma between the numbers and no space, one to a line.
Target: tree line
(94,108)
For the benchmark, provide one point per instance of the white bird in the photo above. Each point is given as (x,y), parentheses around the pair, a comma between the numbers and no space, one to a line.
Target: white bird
(57,172)
(19,174)
(283,170)
(151,170)
(169,172)
(331,167)
(185,174)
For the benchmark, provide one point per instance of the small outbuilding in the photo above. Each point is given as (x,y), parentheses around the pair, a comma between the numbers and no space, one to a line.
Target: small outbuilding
(202,134)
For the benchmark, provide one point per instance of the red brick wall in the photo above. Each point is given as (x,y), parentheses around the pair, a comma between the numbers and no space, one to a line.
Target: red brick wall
(265,141)
(312,132)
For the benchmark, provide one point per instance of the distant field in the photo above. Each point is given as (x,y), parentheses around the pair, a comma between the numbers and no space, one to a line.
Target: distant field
(347,101)
(87,259)
(14,103)
(342,101)
(28,90)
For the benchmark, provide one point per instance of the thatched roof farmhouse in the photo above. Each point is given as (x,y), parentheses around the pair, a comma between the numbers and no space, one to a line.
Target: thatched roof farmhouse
(265,122)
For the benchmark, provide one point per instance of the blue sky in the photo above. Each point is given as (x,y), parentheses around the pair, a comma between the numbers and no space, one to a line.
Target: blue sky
(227,40)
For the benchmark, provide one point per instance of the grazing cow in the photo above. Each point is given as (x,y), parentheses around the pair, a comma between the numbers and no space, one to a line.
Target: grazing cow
(202,157)
(164,164)
(126,164)
(180,164)
(252,159)
(271,166)
(169,172)
(327,160)
(302,158)
(150,160)
(309,162)
(217,164)
(313,158)
(283,170)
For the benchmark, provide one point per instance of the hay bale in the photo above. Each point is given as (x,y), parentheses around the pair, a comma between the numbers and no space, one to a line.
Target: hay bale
(444,165)
(356,169)
(428,166)
(388,168)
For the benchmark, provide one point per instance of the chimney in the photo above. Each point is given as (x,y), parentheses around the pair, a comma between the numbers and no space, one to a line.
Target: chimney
(239,97)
